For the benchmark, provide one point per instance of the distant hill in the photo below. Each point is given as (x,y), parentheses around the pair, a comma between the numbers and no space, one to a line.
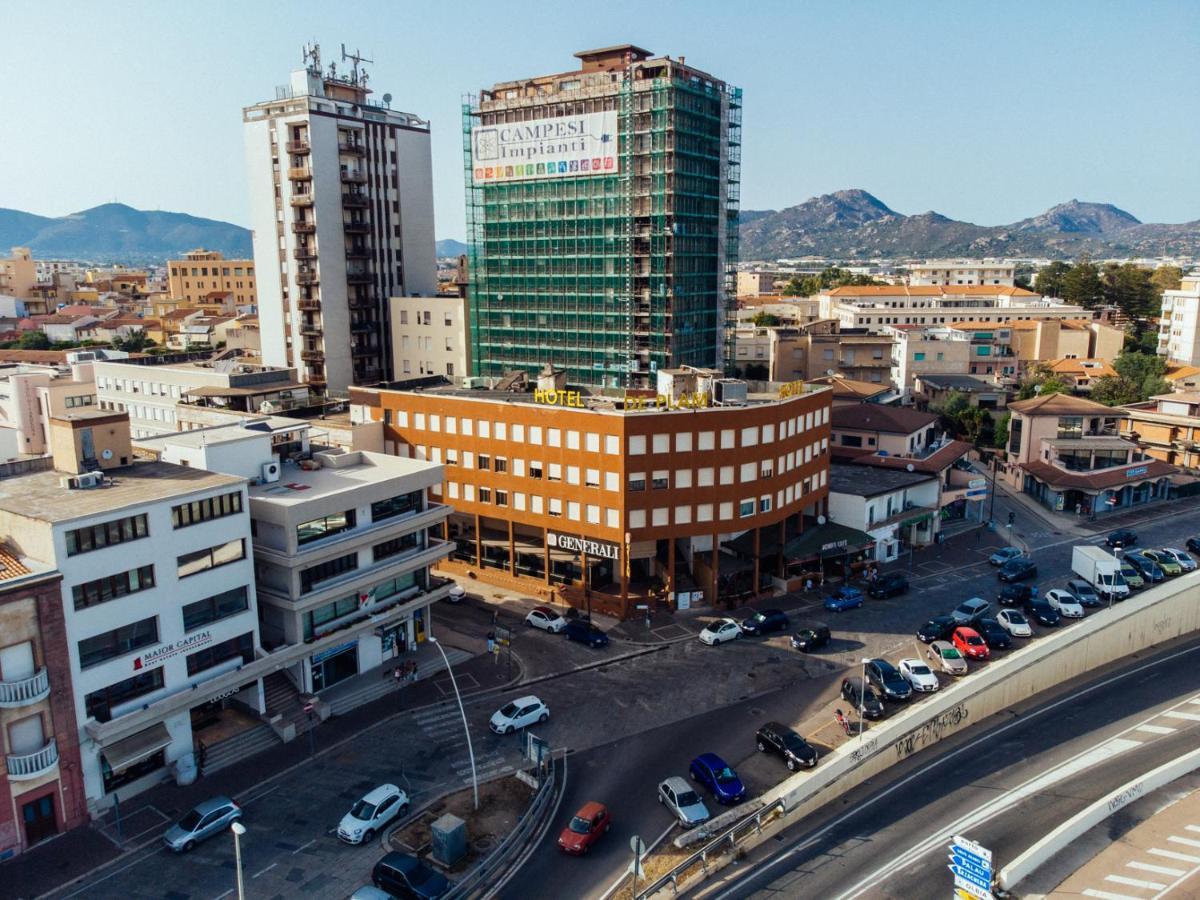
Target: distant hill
(115,231)
(854,224)
(450,247)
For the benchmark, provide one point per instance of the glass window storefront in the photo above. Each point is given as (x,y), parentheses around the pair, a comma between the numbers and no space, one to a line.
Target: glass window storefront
(334,665)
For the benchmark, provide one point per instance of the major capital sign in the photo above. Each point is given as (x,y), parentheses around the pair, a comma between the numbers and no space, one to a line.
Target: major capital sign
(166,651)
(583,144)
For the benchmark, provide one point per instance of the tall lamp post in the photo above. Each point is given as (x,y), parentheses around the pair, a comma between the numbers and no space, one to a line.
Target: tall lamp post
(862,701)
(463,713)
(238,830)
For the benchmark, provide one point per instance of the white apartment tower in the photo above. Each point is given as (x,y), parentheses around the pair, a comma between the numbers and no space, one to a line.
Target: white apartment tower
(341,204)
(1179,325)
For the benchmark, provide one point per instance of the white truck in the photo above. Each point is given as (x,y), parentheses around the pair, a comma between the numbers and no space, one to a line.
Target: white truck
(1101,570)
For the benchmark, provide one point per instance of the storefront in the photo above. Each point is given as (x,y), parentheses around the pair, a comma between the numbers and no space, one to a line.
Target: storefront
(829,552)
(1096,494)
(334,665)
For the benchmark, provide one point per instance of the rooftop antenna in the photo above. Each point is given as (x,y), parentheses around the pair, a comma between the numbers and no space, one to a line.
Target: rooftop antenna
(312,56)
(356,58)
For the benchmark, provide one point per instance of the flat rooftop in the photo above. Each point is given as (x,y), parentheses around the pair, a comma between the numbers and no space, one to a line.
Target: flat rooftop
(224,434)
(867,481)
(41,496)
(297,485)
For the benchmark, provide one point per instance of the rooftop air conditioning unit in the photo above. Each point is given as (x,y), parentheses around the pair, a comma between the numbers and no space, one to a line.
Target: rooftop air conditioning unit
(270,472)
(88,480)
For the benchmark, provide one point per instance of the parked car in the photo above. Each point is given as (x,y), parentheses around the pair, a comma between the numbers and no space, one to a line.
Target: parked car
(202,822)
(1066,603)
(1018,569)
(1168,563)
(720,631)
(811,638)
(1041,612)
(891,684)
(715,774)
(1133,578)
(685,804)
(1147,568)
(765,621)
(546,619)
(370,892)
(937,628)
(782,741)
(996,636)
(1084,593)
(371,813)
(888,585)
(1122,537)
(403,875)
(586,633)
(919,675)
(520,713)
(1185,562)
(970,643)
(1014,623)
(946,655)
(1014,594)
(862,697)
(456,594)
(845,597)
(1193,545)
(971,611)
(1004,554)
(585,828)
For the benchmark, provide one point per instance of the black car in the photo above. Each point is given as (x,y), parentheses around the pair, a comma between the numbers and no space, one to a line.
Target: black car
(1193,545)
(1018,569)
(883,675)
(585,632)
(1041,611)
(888,585)
(1145,566)
(1122,537)
(939,628)
(993,634)
(402,875)
(811,638)
(766,621)
(1014,594)
(781,740)
(866,701)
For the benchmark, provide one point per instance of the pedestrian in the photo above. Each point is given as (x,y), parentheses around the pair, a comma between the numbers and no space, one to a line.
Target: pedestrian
(396,675)
(413,671)
(808,585)
(491,641)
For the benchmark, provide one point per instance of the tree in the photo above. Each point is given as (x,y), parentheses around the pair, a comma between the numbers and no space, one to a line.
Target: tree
(1049,280)
(1166,278)
(757,372)
(766,320)
(1081,283)
(1000,431)
(963,418)
(828,278)
(1042,386)
(1139,377)
(137,342)
(1130,289)
(34,340)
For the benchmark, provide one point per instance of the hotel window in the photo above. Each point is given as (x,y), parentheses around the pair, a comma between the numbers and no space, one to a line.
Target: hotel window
(401,418)
(485,495)
(535,503)
(704,512)
(468,427)
(727,439)
(211,558)
(750,436)
(500,430)
(325,526)
(469,493)
(662,443)
(726,511)
(592,442)
(749,471)
(117,642)
(106,534)
(683,478)
(746,508)
(215,608)
(661,516)
(535,435)
(484,463)
(468,459)
(419,421)
(518,433)
(519,501)
(726,474)
(683,442)
(435,423)
(535,468)
(101,590)
(637,445)
(553,437)
(518,468)
(331,568)
(593,514)
(637,481)
(637,518)
(485,428)
(764,503)
(592,478)
(502,498)
(451,456)
(683,515)
(501,464)
(556,507)
(612,445)
(766,469)
(706,440)
(572,474)
(451,425)
(704,477)
(555,472)
(452,489)
(572,440)
(660,480)
(768,433)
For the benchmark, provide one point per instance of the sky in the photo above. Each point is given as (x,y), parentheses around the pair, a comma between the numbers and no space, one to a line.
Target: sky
(984,111)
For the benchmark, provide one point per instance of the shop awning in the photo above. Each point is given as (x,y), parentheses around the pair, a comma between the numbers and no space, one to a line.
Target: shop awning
(743,545)
(132,750)
(825,540)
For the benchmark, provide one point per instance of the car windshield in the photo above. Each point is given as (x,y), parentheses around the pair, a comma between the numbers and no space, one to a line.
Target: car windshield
(363,810)
(579,826)
(974,640)
(1016,618)
(758,617)
(509,711)
(688,798)
(950,653)
(190,821)
(919,669)
(418,874)
(725,775)
(795,743)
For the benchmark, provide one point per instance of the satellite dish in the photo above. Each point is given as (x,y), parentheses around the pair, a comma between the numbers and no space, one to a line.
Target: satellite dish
(820,520)
(387,98)
(106,454)
(909,467)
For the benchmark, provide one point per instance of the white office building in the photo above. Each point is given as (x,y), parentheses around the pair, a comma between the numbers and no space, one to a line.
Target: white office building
(962,271)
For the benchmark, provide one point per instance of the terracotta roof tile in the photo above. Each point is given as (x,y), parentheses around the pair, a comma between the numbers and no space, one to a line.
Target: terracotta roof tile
(874,417)
(1061,405)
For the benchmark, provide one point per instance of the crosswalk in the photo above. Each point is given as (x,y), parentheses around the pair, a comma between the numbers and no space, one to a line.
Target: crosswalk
(444,727)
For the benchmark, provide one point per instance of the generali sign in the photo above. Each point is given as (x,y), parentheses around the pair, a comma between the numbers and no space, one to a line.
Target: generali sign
(591,547)
(166,651)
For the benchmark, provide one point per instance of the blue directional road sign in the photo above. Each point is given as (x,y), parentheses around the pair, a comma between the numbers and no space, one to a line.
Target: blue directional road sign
(971,865)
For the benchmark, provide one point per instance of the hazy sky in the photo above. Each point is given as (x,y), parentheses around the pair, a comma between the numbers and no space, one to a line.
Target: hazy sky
(984,111)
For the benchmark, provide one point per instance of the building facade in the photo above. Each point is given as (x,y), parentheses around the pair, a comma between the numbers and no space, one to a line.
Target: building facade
(923,349)
(602,219)
(874,306)
(962,272)
(203,273)
(1179,324)
(341,201)
(431,336)
(18,274)
(1167,428)
(898,509)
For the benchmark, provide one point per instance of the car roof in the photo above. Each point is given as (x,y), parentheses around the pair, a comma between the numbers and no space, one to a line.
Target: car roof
(675,783)
(966,631)
(402,862)
(591,809)
(911,660)
(526,700)
(381,793)
(213,803)
(711,760)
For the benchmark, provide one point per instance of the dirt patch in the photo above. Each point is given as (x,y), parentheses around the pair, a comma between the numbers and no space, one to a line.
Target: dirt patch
(501,804)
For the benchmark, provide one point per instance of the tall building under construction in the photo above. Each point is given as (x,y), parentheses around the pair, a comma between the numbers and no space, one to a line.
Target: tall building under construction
(602,208)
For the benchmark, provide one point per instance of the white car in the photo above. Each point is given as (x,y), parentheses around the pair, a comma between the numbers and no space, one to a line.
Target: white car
(1066,603)
(720,631)
(545,618)
(456,594)
(1014,623)
(919,675)
(372,813)
(1185,560)
(521,713)
(683,802)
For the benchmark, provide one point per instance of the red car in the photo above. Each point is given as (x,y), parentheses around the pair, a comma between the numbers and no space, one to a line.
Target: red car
(585,828)
(970,644)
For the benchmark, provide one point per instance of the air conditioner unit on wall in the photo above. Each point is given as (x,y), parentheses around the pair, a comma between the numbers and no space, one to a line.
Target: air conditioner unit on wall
(270,472)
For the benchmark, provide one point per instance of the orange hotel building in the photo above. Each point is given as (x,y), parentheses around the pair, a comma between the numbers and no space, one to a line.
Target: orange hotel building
(612,503)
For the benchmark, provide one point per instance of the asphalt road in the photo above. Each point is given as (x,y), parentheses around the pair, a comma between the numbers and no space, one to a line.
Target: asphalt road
(1003,784)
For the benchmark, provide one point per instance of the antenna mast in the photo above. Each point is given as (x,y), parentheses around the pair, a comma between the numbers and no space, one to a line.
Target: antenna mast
(356,58)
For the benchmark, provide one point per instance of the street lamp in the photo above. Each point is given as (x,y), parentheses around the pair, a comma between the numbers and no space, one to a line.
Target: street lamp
(238,830)
(463,713)
(862,700)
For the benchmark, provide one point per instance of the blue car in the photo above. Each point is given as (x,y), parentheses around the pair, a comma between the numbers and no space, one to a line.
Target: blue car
(711,771)
(845,597)
(586,633)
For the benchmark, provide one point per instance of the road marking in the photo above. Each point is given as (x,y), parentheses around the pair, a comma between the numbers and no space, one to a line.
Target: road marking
(1158,870)
(265,871)
(1179,714)
(1171,854)
(304,847)
(224,895)
(1187,842)
(1135,882)
(250,800)
(1191,827)
(1106,895)
(1156,729)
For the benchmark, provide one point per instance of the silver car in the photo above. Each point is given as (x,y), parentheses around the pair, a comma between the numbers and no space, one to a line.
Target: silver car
(677,796)
(946,655)
(204,820)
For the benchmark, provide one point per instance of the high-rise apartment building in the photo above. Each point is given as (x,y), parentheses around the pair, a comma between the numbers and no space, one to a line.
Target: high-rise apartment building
(341,200)
(1179,324)
(602,212)
(207,277)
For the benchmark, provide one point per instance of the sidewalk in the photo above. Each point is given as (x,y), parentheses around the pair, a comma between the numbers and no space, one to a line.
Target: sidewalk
(80,852)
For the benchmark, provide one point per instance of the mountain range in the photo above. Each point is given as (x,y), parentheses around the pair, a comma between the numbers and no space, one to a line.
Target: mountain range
(853,224)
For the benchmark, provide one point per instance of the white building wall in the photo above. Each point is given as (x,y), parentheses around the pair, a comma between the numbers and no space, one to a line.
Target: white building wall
(417,242)
(1179,330)
(261,189)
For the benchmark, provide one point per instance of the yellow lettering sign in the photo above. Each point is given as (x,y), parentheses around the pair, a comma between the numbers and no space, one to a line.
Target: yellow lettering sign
(573,399)
(791,389)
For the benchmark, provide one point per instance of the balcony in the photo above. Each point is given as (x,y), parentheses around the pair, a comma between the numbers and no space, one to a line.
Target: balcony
(358,148)
(313,356)
(354,178)
(302,200)
(309,305)
(358,253)
(359,277)
(355,201)
(310,328)
(28,766)
(361,327)
(303,253)
(360,303)
(308,278)
(360,352)
(356,227)
(316,378)
(304,173)
(298,147)
(25,691)
(304,228)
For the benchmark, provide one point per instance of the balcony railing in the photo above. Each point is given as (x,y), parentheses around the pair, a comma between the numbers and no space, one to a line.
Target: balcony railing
(359,278)
(27,766)
(26,691)
(354,178)
(303,173)
(355,147)
(302,200)
(304,228)
(310,328)
(312,355)
(307,278)
(309,305)
(356,227)
(302,253)
(355,201)
(298,147)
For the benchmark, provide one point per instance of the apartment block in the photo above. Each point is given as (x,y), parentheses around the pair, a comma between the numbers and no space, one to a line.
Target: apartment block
(1179,324)
(18,274)
(874,306)
(1167,428)
(925,350)
(203,275)
(959,272)
(431,336)
(825,348)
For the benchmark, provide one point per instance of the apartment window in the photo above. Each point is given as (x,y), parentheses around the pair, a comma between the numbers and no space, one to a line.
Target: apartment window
(485,495)
(325,526)
(106,534)
(764,503)
(211,558)
(746,508)
(660,481)
(395,546)
(637,481)
(99,704)
(484,462)
(726,474)
(766,469)
(242,645)
(101,590)
(749,471)
(215,608)
(501,464)
(637,518)
(111,644)
(704,477)
(535,468)
(331,568)
(400,504)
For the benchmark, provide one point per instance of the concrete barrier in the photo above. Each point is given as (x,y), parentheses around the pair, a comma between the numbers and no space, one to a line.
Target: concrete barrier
(1041,852)
(1153,617)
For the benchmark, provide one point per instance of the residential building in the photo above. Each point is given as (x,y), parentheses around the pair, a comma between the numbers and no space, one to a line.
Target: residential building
(341,203)
(897,508)
(826,348)
(874,306)
(962,272)
(41,783)
(1081,374)
(203,273)
(846,391)
(753,284)
(1167,428)
(240,333)
(1183,378)
(874,428)
(606,503)
(610,255)
(1179,323)
(934,390)
(32,395)
(1065,453)
(431,336)
(197,332)
(18,274)
(752,352)
(962,492)
(918,350)
(788,310)
(1008,351)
